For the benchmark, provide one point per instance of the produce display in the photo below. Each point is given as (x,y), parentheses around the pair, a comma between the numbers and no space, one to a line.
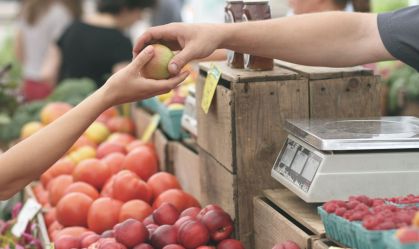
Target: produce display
(107,192)
(70,91)
(363,222)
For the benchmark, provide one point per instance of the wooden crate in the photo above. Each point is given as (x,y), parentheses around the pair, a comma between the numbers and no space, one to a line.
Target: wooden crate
(340,92)
(273,227)
(142,119)
(280,215)
(242,133)
(186,169)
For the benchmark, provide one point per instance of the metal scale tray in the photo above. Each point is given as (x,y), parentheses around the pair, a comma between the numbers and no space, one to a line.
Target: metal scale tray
(385,133)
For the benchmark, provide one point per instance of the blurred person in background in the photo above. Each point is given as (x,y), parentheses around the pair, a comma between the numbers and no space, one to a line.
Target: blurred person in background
(96,46)
(167,11)
(311,6)
(41,22)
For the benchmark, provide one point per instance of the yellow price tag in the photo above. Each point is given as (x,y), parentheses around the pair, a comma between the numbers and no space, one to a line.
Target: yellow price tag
(211,82)
(151,128)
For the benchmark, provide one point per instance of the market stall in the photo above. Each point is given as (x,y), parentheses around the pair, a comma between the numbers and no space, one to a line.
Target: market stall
(247,152)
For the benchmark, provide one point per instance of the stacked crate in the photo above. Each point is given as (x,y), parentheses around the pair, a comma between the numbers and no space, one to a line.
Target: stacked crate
(240,136)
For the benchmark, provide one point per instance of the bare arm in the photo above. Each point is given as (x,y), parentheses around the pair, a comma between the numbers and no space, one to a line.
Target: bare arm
(27,160)
(327,39)
(321,39)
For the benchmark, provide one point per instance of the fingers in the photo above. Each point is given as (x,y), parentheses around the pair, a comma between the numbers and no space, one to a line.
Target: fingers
(181,59)
(163,34)
(142,59)
(166,85)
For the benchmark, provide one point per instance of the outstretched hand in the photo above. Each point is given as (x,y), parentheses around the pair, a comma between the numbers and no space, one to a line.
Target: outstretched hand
(129,85)
(193,41)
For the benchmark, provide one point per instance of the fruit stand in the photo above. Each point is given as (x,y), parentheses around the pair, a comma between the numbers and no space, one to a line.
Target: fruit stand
(226,160)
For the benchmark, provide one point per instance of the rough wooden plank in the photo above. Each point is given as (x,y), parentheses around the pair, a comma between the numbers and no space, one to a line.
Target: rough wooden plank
(187,170)
(161,144)
(215,128)
(349,97)
(271,227)
(218,185)
(301,211)
(242,76)
(141,119)
(318,73)
(261,109)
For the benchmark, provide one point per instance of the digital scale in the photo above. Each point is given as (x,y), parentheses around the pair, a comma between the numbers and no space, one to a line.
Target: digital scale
(323,160)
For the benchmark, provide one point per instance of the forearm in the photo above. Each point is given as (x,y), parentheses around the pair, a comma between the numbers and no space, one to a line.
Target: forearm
(323,39)
(27,160)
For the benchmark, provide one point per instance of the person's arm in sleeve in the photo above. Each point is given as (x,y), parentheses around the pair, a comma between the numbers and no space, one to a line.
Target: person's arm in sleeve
(28,159)
(334,39)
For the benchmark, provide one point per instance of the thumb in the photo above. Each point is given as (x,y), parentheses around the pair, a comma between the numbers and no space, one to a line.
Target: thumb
(180,60)
(141,59)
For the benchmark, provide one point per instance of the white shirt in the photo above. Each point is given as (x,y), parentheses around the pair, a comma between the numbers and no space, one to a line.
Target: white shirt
(38,37)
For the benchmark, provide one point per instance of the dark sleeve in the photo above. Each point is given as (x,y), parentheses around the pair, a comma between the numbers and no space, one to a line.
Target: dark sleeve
(399,31)
(123,51)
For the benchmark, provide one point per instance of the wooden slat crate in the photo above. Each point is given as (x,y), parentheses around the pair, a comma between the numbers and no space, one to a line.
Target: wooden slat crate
(187,169)
(242,132)
(241,135)
(340,92)
(280,215)
(273,227)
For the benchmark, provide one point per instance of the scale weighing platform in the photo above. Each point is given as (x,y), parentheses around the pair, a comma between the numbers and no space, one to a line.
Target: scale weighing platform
(323,160)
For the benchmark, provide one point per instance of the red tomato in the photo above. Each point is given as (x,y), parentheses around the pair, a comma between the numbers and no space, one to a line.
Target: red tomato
(82,187)
(81,142)
(57,187)
(161,182)
(114,162)
(108,148)
(71,231)
(63,166)
(108,114)
(92,171)
(128,186)
(53,229)
(41,194)
(120,138)
(107,190)
(135,209)
(137,144)
(50,216)
(142,161)
(121,124)
(72,209)
(177,198)
(103,214)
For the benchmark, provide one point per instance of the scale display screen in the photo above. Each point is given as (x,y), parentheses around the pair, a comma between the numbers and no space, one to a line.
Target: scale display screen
(297,164)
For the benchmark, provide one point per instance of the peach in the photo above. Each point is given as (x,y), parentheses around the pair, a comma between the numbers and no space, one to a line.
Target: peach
(67,242)
(230,244)
(30,129)
(193,234)
(163,236)
(131,232)
(97,132)
(166,214)
(158,67)
(143,246)
(53,111)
